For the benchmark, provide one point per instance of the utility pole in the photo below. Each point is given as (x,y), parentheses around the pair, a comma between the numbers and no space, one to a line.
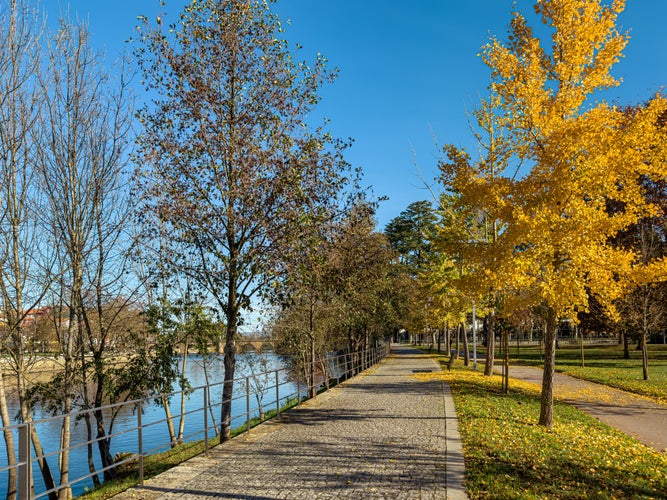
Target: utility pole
(474,339)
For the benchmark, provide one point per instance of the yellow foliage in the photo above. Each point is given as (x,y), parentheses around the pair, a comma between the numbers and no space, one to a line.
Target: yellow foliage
(586,160)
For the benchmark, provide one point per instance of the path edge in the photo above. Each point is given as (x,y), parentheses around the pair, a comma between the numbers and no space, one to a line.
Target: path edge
(455,473)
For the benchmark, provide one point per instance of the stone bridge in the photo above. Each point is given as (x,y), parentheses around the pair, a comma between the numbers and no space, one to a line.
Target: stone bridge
(256,343)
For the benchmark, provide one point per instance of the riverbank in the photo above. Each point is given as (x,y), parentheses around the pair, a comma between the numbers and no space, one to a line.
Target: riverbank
(201,410)
(41,368)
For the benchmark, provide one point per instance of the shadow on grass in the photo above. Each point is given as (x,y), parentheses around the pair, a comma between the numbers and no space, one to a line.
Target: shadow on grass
(488,476)
(508,455)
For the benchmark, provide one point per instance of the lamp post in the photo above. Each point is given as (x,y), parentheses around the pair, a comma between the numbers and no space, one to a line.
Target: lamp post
(474,338)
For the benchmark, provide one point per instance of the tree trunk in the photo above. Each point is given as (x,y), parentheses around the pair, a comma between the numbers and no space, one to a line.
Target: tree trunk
(581,343)
(89,448)
(65,492)
(103,441)
(325,373)
(644,355)
(448,339)
(208,393)
(229,362)
(170,420)
(506,361)
(26,418)
(9,440)
(311,344)
(88,418)
(104,446)
(73,329)
(626,345)
(547,399)
(490,343)
(44,468)
(645,329)
(181,422)
(457,346)
(228,388)
(466,349)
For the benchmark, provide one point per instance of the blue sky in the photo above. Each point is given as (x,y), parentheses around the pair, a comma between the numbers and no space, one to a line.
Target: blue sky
(409,71)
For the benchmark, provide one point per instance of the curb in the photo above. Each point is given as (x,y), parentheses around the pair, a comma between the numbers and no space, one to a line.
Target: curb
(455,460)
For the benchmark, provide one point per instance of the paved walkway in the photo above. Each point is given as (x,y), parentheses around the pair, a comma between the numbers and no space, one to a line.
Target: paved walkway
(383,434)
(640,417)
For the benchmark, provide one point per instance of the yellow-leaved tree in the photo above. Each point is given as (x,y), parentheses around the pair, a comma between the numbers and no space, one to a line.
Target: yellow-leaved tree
(474,213)
(445,275)
(582,157)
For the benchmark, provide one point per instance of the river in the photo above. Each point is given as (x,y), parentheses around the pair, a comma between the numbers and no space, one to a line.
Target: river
(155,432)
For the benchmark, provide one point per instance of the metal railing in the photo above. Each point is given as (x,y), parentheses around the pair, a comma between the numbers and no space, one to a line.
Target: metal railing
(286,386)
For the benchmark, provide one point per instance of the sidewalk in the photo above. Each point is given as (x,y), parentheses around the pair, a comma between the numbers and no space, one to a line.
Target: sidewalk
(382,434)
(640,417)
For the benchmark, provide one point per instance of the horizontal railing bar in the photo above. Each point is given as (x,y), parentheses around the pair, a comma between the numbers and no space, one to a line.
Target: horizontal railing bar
(150,451)
(334,368)
(188,437)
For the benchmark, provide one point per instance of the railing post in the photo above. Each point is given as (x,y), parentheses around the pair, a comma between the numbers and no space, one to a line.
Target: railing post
(311,379)
(206,419)
(25,465)
(277,395)
(308,374)
(140,444)
(247,403)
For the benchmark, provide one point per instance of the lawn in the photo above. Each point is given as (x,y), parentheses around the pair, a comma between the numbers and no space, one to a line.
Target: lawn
(605,365)
(509,456)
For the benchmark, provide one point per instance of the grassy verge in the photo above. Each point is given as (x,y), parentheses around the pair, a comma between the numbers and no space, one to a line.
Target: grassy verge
(606,365)
(509,456)
(160,462)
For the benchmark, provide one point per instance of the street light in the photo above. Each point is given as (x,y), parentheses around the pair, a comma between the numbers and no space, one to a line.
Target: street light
(474,338)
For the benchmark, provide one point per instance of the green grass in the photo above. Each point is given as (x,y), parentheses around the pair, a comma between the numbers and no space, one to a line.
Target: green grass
(605,365)
(507,455)
(160,462)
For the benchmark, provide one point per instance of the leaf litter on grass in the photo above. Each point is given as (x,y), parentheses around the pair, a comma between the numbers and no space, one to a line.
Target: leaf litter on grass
(509,456)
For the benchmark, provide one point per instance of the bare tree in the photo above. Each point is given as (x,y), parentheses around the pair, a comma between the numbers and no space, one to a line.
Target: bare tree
(21,263)
(83,150)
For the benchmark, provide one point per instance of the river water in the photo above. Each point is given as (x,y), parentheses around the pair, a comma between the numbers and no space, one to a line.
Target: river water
(154,428)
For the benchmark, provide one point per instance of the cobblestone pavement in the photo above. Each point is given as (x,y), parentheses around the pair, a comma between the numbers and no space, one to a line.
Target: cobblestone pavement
(383,434)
